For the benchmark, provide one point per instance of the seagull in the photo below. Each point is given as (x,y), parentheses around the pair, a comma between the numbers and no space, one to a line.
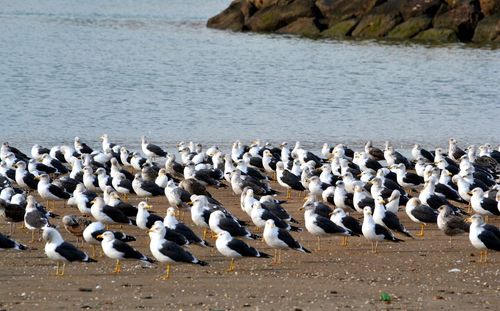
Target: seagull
(483,236)
(287,179)
(103,179)
(362,198)
(318,225)
(25,179)
(108,214)
(50,192)
(172,223)
(218,222)
(128,209)
(81,147)
(144,219)
(122,185)
(120,250)
(341,219)
(60,251)
(421,214)
(450,224)
(92,231)
(234,248)
(33,218)
(11,213)
(150,150)
(407,180)
(388,219)
(169,252)
(75,225)
(145,188)
(374,232)
(6,243)
(260,215)
(279,239)
(483,205)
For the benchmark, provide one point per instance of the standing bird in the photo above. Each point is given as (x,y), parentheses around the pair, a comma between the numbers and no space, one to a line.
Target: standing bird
(421,214)
(318,225)
(34,219)
(6,243)
(374,232)
(168,252)
(388,219)
(145,188)
(25,179)
(120,250)
(288,180)
(235,249)
(279,239)
(145,220)
(150,150)
(219,222)
(172,223)
(60,251)
(483,205)
(341,219)
(450,224)
(50,192)
(260,215)
(108,214)
(93,230)
(483,237)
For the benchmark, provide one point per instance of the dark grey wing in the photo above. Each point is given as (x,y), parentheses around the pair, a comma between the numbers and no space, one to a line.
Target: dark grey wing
(152,188)
(115,214)
(128,209)
(393,223)
(292,180)
(127,184)
(492,229)
(491,206)
(284,236)
(152,218)
(231,226)
(176,253)
(36,219)
(156,150)
(456,223)
(70,252)
(328,226)
(58,192)
(128,251)
(352,224)
(177,238)
(188,233)
(242,248)
(490,240)
(381,230)
(425,214)
(6,243)
(413,179)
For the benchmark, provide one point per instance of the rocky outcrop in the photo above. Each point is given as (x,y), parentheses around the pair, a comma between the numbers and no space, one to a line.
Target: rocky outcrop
(417,20)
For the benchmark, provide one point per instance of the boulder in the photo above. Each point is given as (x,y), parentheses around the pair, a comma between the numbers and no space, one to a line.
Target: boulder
(489,7)
(231,18)
(412,8)
(380,20)
(274,17)
(488,29)
(304,26)
(339,10)
(462,19)
(340,30)
(410,28)
(437,35)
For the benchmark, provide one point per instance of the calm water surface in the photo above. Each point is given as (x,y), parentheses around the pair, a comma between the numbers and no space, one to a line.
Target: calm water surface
(129,68)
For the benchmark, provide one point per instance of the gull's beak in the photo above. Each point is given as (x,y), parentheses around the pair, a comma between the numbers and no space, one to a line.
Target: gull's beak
(468,219)
(470,193)
(190,203)
(92,202)
(148,206)
(99,236)
(301,208)
(37,177)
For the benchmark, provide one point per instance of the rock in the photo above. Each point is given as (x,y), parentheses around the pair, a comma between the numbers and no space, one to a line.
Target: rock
(380,20)
(413,8)
(410,28)
(304,26)
(272,18)
(340,30)
(437,35)
(462,19)
(488,29)
(231,18)
(339,10)
(489,7)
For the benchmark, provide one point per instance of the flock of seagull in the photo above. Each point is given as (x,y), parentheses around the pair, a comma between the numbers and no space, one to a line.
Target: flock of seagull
(336,183)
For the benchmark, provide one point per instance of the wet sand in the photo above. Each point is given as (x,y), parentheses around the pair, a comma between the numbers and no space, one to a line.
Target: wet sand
(424,273)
